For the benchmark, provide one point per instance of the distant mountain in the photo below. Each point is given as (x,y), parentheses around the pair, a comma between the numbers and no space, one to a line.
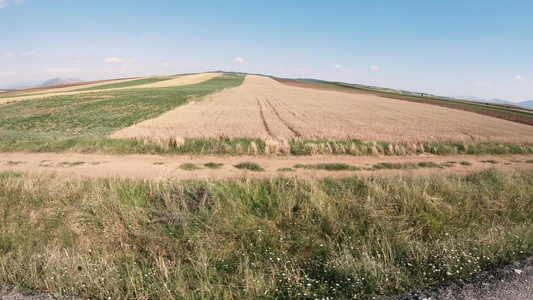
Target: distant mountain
(61,81)
(528,104)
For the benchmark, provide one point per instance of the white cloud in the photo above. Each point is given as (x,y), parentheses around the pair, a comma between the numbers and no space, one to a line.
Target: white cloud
(80,61)
(8,55)
(339,67)
(6,3)
(114,60)
(32,53)
(240,60)
(167,64)
(519,77)
(374,68)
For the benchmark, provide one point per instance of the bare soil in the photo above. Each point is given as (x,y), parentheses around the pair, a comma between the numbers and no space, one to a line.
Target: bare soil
(155,167)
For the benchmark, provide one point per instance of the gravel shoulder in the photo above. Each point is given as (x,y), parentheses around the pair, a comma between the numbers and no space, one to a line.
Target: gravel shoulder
(512,282)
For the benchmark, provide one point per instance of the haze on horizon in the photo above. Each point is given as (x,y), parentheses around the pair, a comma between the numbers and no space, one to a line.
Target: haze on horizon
(450,48)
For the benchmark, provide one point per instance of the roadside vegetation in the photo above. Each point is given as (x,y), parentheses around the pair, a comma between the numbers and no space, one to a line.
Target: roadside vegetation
(50,142)
(250,239)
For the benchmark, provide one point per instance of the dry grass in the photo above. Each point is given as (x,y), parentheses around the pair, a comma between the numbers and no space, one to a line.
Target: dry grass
(263,108)
(276,238)
(182,80)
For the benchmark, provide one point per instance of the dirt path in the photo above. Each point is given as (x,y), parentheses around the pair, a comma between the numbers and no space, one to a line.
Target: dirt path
(157,167)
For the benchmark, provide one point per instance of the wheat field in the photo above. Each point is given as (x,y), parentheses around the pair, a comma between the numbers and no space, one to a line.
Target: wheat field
(264,108)
(74,90)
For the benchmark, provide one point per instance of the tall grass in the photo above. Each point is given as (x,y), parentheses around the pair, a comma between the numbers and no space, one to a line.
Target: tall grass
(177,145)
(249,239)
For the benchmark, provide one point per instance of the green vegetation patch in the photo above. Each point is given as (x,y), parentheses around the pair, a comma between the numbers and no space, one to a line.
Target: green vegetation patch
(286,170)
(212,165)
(490,161)
(529,161)
(254,239)
(328,167)
(449,164)
(71,164)
(429,164)
(395,166)
(466,163)
(189,167)
(249,166)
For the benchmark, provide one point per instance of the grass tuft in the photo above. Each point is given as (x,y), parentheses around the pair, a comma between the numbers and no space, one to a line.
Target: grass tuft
(249,166)
(212,165)
(71,164)
(328,167)
(490,161)
(189,167)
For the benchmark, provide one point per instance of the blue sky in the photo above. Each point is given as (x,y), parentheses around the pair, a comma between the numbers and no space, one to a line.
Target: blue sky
(467,48)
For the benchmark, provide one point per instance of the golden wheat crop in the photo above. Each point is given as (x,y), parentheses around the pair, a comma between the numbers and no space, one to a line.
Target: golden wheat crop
(264,108)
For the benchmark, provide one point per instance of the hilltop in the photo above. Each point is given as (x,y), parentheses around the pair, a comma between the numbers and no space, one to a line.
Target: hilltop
(61,81)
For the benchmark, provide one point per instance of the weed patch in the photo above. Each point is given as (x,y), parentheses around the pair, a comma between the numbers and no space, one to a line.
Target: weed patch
(189,167)
(212,165)
(286,170)
(71,164)
(490,161)
(249,166)
(328,167)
